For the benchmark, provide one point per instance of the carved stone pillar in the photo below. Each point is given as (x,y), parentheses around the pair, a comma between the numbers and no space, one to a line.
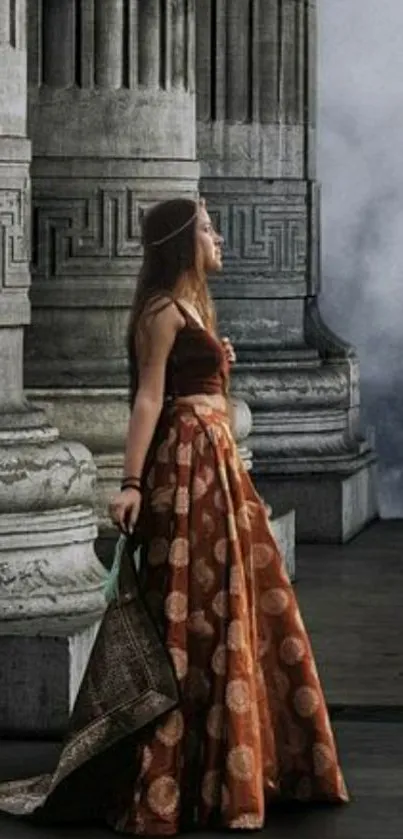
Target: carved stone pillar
(50,580)
(256,85)
(112,123)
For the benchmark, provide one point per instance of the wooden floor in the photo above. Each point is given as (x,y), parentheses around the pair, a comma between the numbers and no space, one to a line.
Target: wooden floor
(352,600)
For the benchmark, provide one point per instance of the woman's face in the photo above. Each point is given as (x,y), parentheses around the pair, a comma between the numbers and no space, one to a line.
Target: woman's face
(208,242)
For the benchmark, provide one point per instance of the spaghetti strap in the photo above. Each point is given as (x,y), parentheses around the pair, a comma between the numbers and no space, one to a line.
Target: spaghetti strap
(158,303)
(182,309)
(189,318)
(165,300)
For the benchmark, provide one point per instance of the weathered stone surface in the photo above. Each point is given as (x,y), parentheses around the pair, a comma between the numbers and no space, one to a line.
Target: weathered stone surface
(96,416)
(41,666)
(54,570)
(242,427)
(330,506)
(283,527)
(251,98)
(38,474)
(13,90)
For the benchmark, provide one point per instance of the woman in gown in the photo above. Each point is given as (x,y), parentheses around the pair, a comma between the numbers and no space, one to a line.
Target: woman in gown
(201,703)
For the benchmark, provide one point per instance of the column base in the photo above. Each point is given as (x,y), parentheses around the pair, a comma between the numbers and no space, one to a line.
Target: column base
(98,419)
(48,566)
(42,662)
(330,507)
(109,475)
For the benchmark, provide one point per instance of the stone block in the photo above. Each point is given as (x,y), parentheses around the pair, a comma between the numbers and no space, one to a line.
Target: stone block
(283,527)
(329,507)
(42,662)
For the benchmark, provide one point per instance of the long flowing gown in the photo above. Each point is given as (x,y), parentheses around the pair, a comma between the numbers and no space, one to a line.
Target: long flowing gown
(252,725)
(201,703)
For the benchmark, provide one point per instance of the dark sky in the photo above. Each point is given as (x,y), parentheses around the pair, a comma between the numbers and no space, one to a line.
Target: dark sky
(360,147)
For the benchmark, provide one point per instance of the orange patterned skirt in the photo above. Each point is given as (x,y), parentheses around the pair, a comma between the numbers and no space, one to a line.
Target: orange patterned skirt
(252,726)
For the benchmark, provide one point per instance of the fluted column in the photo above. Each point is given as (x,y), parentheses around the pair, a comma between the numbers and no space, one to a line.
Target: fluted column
(109,43)
(256,121)
(112,122)
(50,579)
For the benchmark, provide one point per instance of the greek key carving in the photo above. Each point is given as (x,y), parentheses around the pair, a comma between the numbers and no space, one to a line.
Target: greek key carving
(13,236)
(98,233)
(260,236)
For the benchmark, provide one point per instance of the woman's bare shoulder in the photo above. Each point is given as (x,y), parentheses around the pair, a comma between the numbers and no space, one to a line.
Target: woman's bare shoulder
(161,316)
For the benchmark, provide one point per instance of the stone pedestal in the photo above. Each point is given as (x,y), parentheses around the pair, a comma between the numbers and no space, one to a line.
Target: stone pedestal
(282,523)
(42,662)
(256,115)
(283,528)
(48,568)
(112,122)
(242,429)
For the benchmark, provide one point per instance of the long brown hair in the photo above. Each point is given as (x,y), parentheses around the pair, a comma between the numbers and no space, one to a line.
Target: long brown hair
(171,268)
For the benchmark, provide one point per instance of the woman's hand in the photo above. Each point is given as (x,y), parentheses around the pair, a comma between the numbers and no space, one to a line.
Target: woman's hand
(124,509)
(228,350)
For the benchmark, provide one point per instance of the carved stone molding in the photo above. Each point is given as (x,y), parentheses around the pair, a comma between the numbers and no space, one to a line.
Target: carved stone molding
(114,44)
(270,234)
(239,40)
(112,77)
(14,231)
(265,239)
(13,236)
(256,87)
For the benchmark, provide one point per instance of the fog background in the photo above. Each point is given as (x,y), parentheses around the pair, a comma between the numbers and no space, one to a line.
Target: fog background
(360,164)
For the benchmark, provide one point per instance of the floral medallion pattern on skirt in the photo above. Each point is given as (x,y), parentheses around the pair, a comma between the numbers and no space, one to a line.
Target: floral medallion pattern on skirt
(252,726)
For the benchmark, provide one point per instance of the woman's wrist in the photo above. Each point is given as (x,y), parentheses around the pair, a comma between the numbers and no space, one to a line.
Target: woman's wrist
(131,482)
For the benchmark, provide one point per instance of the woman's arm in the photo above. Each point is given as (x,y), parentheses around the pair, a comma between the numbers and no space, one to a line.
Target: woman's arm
(153,345)
(152,352)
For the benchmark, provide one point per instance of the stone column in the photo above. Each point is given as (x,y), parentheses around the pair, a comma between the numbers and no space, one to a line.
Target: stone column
(113,127)
(256,86)
(50,580)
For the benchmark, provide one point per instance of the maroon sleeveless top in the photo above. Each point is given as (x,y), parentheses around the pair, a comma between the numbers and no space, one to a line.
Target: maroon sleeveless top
(197,361)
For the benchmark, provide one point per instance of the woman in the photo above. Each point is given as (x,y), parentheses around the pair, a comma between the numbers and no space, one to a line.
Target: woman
(252,724)
(201,704)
